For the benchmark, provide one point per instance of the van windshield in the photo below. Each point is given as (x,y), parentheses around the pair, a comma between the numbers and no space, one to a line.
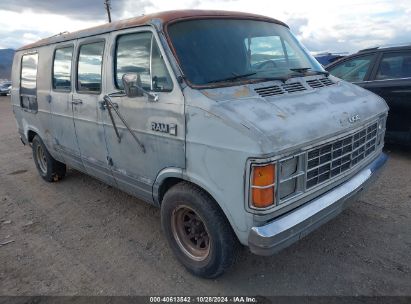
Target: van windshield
(231,50)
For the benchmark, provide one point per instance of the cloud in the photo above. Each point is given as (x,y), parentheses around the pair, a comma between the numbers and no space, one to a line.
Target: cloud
(297,25)
(11,39)
(321,25)
(79,9)
(14,25)
(340,26)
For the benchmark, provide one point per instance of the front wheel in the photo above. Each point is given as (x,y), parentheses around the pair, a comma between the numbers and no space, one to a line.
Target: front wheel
(197,231)
(49,169)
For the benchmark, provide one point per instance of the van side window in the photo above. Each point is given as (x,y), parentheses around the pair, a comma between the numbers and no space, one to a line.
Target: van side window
(353,70)
(395,65)
(89,67)
(28,82)
(139,53)
(160,76)
(62,69)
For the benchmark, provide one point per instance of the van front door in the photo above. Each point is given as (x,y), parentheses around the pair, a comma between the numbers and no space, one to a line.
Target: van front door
(158,125)
(86,108)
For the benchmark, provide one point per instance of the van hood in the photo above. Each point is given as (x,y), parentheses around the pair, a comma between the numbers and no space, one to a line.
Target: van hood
(295,119)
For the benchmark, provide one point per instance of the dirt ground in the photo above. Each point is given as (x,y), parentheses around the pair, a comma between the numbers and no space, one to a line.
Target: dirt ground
(82,237)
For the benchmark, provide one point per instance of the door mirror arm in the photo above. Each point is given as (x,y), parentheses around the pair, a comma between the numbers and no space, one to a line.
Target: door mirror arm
(133,87)
(109,105)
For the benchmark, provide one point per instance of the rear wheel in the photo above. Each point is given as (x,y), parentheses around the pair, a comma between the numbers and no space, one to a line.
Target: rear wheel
(49,169)
(197,231)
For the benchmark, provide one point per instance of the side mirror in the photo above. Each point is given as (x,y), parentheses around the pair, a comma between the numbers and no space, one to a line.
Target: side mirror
(133,87)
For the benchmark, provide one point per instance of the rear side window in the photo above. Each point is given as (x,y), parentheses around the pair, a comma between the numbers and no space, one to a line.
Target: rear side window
(139,53)
(62,69)
(89,68)
(28,81)
(395,65)
(269,48)
(353,70)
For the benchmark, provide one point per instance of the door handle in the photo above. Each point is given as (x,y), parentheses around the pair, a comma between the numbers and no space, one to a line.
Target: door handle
(77,102)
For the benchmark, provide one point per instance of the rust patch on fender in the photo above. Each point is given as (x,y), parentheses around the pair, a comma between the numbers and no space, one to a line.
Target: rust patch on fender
(208,94)
(242,92)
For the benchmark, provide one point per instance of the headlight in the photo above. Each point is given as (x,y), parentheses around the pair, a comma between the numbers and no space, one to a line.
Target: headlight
(381,130)
(290,177)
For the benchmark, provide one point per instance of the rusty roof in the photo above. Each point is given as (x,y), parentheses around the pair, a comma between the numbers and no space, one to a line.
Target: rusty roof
(163,17)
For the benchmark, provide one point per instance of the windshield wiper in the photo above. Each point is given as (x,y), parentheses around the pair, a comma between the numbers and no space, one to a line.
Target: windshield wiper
(235,77)
(283,78)
(308,71)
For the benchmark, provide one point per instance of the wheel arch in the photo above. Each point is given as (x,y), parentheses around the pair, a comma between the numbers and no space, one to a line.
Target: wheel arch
(172,176)
(30,131)
(30,135)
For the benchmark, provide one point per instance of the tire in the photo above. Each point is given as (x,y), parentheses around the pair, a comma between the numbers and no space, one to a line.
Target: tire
(49,169)
(188,212)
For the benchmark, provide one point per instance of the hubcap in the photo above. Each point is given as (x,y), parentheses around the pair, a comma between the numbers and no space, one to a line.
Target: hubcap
(41,159)
(190,233)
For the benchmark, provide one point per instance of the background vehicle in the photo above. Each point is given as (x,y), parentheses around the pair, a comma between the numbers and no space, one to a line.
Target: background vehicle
(327,58)
(386,71)
(5,88)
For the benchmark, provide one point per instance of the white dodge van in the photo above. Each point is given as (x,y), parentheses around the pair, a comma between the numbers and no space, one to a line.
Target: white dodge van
(221,119)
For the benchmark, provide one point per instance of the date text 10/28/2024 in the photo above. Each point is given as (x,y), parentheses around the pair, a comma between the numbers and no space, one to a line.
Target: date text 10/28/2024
(203,299)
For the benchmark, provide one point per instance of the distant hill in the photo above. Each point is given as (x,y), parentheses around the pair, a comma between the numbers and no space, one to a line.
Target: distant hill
(6,61)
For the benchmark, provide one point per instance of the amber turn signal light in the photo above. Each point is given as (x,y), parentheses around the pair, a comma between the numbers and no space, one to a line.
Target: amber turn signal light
(262,186)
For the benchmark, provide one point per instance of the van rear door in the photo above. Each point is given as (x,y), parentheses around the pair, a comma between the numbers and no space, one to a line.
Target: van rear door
(86,107)
(65,141)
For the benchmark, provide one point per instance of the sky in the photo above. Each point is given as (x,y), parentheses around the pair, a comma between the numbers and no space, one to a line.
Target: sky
(322,26)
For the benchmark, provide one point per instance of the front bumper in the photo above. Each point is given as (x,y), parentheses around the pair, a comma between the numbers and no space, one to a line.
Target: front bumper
(289,228)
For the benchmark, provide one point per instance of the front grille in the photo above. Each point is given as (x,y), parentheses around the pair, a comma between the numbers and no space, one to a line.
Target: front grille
(279,90)
(318,83)
(292,87)
(269,91)
(332,159)
(326,81)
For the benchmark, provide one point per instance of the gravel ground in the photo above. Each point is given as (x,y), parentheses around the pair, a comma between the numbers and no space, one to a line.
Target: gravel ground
(82,237)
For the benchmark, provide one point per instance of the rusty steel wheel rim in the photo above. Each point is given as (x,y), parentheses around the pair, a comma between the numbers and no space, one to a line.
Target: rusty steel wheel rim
(190,233)
(41,159)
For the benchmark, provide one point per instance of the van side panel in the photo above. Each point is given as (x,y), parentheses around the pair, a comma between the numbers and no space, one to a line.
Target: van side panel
(43,118)
(15,93)
(38,121)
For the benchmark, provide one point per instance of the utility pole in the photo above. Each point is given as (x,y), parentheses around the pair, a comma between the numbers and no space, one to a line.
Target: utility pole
(108,7)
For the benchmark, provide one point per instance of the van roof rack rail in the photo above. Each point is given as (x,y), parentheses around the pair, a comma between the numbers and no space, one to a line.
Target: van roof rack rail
(59,34)
(395,45)
(369,49)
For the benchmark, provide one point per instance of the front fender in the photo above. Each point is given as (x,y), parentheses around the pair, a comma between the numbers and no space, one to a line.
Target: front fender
(183,175)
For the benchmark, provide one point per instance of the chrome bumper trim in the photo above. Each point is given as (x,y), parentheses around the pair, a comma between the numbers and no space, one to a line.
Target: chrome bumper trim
(292,226)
